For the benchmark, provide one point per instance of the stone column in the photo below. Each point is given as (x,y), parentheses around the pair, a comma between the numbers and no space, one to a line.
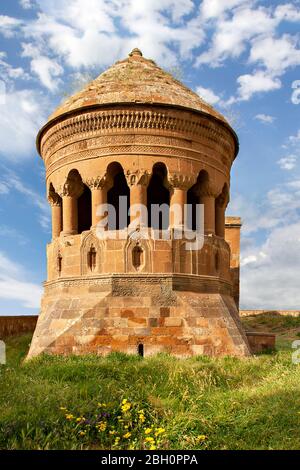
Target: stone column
(70,192)
(98,187)
(220,220)
(55,202)
(179,184)
(138,182)
(207,195)
(220,208)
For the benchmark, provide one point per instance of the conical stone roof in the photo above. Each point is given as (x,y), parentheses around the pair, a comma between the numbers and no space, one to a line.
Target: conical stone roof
(135,80)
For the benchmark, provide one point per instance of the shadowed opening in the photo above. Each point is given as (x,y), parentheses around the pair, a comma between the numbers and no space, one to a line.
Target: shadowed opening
(85,210)
(119,188)
(193,198)
(141,350)
(157,193)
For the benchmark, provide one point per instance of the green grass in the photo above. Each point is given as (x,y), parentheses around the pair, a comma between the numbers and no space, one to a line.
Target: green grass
(251,403)
(286,327)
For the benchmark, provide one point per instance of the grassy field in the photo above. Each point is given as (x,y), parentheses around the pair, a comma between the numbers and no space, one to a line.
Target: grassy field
(122,402)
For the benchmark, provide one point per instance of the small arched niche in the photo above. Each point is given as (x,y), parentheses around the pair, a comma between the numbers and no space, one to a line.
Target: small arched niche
(159,195)
(91,254)
(137,257)
(119,189)
(92,258)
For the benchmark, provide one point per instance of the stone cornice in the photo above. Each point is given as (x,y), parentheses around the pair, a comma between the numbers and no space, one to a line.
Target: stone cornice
(108,121)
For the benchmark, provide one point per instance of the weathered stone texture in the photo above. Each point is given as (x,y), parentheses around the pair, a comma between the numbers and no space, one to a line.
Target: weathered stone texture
(135,130)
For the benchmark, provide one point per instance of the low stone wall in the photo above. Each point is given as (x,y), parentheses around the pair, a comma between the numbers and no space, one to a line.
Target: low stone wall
(260,342)
(14,325)
(248,313)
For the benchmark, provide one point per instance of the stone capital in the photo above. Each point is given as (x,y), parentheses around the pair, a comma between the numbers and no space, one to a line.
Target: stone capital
(98,182)
(54,198)
(71,189)
(136,177)
(207,189)
(181,181)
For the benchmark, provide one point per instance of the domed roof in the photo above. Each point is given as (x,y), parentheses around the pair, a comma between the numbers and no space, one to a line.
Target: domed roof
(135,80)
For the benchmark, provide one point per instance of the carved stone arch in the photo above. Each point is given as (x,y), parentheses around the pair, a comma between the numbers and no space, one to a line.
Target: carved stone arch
(136,248)
(91,242)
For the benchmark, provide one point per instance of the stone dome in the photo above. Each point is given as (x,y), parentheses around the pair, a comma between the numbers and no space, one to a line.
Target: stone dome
(135,80)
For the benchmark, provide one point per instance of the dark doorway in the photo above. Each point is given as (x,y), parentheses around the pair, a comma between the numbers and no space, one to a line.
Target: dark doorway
(141,350)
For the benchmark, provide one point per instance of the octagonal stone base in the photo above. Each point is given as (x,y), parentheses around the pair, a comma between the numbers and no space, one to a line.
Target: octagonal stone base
(179,314)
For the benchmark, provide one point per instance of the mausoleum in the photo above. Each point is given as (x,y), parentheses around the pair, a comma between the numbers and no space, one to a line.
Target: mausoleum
(137,133)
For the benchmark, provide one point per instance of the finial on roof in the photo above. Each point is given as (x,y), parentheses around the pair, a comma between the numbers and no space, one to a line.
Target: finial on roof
(136,52)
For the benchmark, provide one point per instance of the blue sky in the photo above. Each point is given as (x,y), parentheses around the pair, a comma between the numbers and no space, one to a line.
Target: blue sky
(243,56)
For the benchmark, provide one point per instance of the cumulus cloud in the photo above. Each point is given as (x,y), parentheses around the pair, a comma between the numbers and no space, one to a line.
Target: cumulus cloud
(14,285)
(258,82)
(275,54)
(21,116)
(208,95)
(288,162)
(269,272)
(264,118)
(82,31)
(9,25)
(27,4)
(233,34)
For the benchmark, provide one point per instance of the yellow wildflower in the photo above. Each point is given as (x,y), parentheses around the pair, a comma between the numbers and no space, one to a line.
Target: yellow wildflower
(69,416)
(159,431)
(201,438)
(148,430)
(152,448)
(127,435)
(102,426)
(125,407)
(62,408)
(149,439)
(81,418)
(82,433)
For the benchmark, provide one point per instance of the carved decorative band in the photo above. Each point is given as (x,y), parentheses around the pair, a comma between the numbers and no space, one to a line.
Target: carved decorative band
(94,123)
(140,283)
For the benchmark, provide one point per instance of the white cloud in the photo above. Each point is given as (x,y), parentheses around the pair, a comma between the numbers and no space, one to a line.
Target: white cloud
(215,8)
(271,280)
(47,70)
(27,4)
(295,139)
(8,72)
(13,284)
(21,117)
(288,162)
(264,118)
(275,54)
(9,25)
(232,35)
(208,95)
(82,31)
(258,82)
